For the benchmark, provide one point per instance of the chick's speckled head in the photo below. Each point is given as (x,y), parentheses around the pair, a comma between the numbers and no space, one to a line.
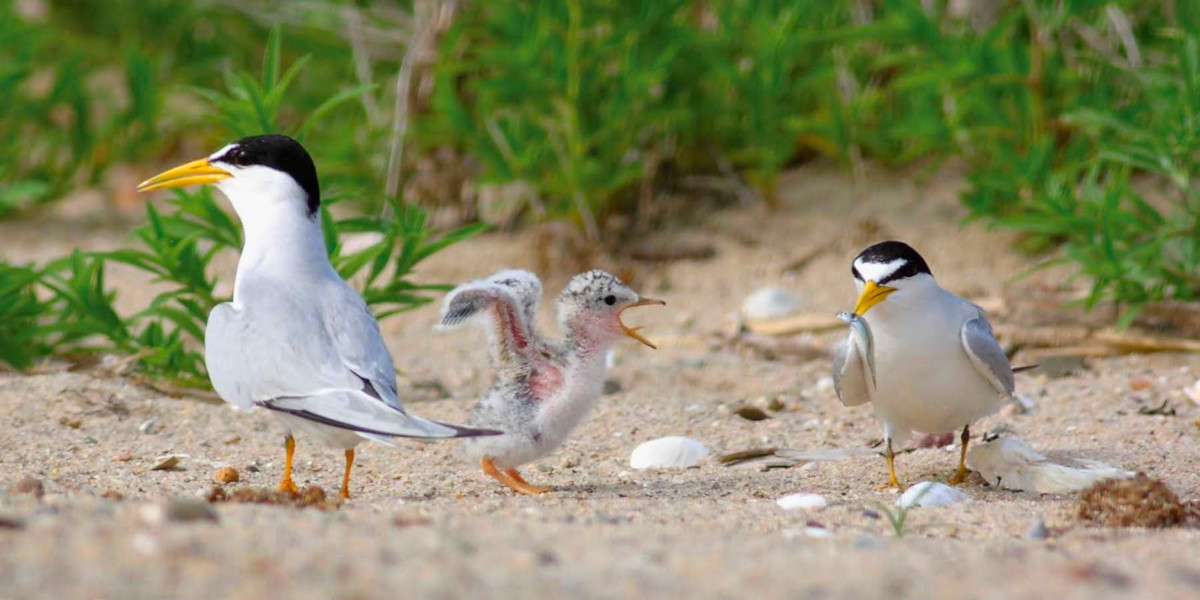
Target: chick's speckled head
(590,307)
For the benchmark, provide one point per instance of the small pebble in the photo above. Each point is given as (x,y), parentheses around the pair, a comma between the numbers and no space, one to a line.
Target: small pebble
(1038,531)
(113,495)
(1138,384)
(233,439)
(226,475)
(123,456)
(31,486)
(71,422)
(149,427)
(179,510)
(771,303)
(751,413)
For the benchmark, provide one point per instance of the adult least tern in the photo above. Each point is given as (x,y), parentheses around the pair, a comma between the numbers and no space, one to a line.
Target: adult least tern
(937,366)
(543,388)
(296,339)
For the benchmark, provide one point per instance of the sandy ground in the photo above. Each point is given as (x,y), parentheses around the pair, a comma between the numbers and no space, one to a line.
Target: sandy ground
(425,524)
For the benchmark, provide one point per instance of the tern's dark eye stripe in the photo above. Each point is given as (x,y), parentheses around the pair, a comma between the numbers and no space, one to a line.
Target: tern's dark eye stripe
(855,273)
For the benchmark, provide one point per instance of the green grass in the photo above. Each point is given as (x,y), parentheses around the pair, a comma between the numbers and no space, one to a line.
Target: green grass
(1076,121)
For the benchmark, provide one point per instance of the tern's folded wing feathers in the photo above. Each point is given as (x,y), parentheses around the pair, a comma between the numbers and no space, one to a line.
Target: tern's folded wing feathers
(987,355)
(357,341)
(362,413)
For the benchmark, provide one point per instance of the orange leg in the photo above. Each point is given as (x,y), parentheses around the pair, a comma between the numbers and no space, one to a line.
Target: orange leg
(890,455)
(536,489)
(961,475)
(521,487)
(345,494)
(287,485)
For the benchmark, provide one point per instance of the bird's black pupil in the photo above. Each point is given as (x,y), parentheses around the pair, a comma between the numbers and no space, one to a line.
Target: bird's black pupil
(610,300)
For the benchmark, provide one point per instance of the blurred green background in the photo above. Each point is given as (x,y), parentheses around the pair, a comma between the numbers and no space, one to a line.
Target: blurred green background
(1076,120)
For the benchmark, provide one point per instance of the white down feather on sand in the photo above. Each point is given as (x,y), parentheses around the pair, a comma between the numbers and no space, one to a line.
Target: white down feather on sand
(1011,464)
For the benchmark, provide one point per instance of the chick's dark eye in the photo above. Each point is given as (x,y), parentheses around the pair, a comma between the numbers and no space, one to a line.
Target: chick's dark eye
(610,300)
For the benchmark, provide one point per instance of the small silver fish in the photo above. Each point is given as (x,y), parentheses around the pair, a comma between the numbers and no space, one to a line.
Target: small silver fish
(862,333)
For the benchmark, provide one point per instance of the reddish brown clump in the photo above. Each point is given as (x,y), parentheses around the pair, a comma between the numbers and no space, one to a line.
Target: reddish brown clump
(226,475)
(1137,502)
(310,497)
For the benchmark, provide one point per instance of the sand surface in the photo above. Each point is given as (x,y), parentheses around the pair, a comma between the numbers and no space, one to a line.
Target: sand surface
(423,523)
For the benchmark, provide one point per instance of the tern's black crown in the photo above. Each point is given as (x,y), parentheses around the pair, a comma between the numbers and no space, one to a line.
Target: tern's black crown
(281,153)
(889,251)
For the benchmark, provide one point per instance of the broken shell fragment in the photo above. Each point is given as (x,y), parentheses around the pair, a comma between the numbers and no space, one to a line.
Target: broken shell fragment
(667,452)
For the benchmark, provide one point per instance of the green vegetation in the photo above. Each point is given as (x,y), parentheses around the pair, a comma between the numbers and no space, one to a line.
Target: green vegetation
(1077,121)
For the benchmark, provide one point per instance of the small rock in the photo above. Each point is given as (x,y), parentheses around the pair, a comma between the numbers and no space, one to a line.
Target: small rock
(771,303)
(71,422)
(233,439)
(169,462)
(113,495)
(776,405)
(930,494)
(870,514)
(179,510)
(867,542)
(612,386)
(31,486)
(123,456)
(7,522)
(183,510)
(149,427)
(1038,531)
(802,501)
(751,413)
(226,475)
(1138,384)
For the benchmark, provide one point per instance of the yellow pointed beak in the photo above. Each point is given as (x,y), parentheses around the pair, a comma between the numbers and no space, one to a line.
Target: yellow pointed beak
(633,331)
(193,173)
(871,295)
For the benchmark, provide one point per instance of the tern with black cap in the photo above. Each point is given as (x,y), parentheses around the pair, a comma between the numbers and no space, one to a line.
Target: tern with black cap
(937,366)
(296,338)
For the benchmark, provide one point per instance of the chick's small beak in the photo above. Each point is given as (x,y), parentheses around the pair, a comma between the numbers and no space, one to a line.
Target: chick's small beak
(871,295)
(193,173)
(633,331)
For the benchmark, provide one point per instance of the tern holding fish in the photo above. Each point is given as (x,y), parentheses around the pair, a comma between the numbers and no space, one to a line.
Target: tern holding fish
(923,357)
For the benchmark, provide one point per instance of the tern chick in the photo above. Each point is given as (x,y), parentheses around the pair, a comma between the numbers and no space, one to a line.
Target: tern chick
(296,339)
(937,366)
(543,388)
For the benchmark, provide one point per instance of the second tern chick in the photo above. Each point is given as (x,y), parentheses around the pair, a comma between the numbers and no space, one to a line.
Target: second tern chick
(543,388)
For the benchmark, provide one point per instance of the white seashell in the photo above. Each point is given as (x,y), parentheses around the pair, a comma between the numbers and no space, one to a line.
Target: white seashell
(1011,464)
(802,502)
(1193,391)
(168,462)
(771,303)
(673,451)
(930,494)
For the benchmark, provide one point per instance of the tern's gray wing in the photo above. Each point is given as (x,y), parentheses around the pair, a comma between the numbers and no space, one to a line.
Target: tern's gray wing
(300,350)
(850,373)
(986,354)
(356,338)
(510,299)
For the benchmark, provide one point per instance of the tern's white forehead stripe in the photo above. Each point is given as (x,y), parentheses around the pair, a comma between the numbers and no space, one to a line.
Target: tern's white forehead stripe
(221,152)
(874,271)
